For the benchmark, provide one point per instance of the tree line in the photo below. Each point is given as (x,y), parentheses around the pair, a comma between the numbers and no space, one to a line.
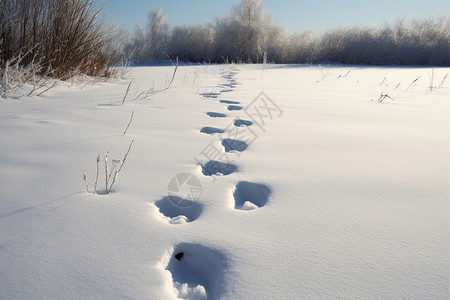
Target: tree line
(249,35)
(62,39)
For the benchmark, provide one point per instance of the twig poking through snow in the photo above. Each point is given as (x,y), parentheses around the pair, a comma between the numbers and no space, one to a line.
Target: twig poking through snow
(341,76)
(442,82)
(85,181)
(415,80)
(173,75)
(323,76)
(121,163)
(126,93)
(152,91)
(106,171)
(47,89)
(96,177)
(431,87)
(384,96)
(129,123)
(126,155)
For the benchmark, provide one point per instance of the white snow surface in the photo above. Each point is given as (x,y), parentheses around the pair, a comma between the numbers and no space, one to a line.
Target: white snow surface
(337,195)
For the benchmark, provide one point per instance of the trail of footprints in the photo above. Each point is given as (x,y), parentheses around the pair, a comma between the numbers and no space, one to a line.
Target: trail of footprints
(198,271)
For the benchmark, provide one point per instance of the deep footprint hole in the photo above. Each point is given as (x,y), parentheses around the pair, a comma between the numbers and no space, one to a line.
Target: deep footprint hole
(229,102)
(178,214)
(211,95)
(215,167)
(197,271)
(249,195)
(234,145)
(234,107)
(216,115)
(239,123)
(211,130)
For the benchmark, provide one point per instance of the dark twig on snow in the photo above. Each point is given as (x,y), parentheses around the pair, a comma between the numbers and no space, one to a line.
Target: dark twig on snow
(442,82)
(414,81)
(47,89)
(342,76)
(96,177)
(126,93)
(129,123)
(383,97)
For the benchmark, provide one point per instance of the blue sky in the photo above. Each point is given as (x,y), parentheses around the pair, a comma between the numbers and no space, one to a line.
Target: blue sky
(318,15)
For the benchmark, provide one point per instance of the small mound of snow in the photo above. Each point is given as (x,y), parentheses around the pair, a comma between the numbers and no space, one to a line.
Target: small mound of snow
(183,291)
(249,206)
(179,220)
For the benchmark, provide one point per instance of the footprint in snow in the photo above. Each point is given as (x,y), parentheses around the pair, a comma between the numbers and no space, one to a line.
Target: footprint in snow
(249,195)
(240,123)
(210,95)
(234,107)
(216,115)
(197,271)
(215,167)
(234,145)
(228,87)
(211,130)
(233,83)
(229,102)
(178,214)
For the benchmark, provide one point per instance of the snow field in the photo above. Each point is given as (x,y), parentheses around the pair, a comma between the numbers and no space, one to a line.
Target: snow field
(334,196)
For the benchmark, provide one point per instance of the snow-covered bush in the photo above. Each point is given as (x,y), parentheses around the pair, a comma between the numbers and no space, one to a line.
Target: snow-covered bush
(64,38)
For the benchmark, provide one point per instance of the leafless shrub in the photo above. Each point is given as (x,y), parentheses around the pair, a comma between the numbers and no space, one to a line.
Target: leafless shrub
(61,38)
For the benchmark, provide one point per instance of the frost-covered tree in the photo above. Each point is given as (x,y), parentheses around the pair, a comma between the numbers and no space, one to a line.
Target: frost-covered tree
(157,34)
(139,48)
(192,43)
(150,42)
(243,34)
(248,34)
(421,42)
